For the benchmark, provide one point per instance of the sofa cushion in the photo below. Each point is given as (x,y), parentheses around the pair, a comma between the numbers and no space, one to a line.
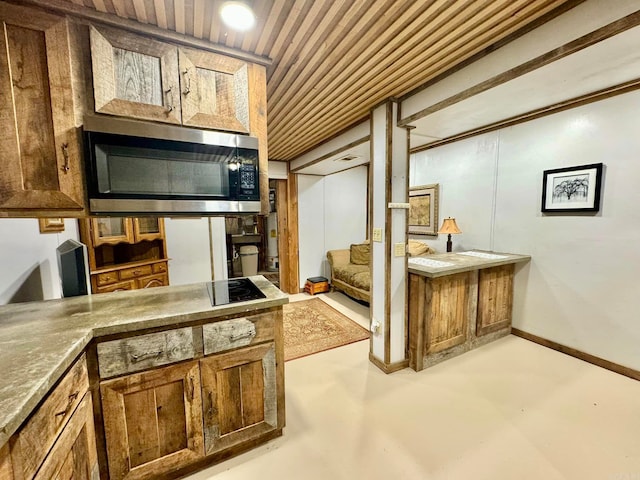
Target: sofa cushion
(362,280)
(356,275)
(360,254)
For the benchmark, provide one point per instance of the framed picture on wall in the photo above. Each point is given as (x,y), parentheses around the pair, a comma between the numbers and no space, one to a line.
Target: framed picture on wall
(423,210)
(572,189)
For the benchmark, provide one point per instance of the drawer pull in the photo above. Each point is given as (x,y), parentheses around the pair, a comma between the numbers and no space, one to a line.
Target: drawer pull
(72,398)
(143,356)
(247,334)
(136,272)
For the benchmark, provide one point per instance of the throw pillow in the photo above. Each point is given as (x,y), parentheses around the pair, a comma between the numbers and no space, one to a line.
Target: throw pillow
(418,248)
(359,254)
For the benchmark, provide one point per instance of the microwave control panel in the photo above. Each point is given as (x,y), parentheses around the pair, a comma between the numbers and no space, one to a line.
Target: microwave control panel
(247,177)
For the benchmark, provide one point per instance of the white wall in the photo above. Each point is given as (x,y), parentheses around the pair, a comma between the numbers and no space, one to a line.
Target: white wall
(28,259)
(581,287)
(188,250)
(332,214)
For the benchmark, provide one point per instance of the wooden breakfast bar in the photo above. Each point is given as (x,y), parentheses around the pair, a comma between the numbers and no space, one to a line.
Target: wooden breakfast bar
(458,301)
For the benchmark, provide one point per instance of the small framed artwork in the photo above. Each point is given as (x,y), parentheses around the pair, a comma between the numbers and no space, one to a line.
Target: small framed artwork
(51,225)
(572,189)
(423,210)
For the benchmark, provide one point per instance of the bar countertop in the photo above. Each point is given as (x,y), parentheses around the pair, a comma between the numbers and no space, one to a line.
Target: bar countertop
(40,340)
(441,264)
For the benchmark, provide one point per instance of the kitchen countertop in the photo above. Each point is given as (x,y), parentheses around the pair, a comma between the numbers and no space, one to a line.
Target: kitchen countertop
(40,340)
(442,264)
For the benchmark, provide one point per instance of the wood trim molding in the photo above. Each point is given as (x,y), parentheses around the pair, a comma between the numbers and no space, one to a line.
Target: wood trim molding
(572,352)
(388,367)
(370,223)
(565,50)
(538,113)
(357,142)
(387,229)
(565,7)
(68,8)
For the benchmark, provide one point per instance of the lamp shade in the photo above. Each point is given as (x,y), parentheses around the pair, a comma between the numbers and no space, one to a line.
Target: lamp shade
(449,226)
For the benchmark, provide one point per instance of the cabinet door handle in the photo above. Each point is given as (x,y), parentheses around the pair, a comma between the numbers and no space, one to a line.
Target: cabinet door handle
(65,154)
(187,81)
(70,401)
(143,356)
(169,96)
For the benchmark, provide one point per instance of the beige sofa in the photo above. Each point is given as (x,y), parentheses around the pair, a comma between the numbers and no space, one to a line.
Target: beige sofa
(350,272)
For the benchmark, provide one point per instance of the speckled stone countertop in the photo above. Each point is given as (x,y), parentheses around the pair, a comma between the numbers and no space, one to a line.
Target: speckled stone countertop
(442,264)
(40,340)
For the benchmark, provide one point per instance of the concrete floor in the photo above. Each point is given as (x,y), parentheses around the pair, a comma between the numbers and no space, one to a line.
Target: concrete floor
(509,410)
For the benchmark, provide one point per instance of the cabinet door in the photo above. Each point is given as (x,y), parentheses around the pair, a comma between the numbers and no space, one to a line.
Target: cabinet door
(6,469)
(39,144)
(153,421)
(239,395)
(214,90)
(111,230)
(74,456)
(134,76)
(148,228)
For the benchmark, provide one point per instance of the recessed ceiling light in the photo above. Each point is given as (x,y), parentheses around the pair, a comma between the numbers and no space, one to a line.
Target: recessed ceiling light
(237,15)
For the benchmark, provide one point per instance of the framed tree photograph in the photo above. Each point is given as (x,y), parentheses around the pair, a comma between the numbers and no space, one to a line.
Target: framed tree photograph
(423,210)
(572,189)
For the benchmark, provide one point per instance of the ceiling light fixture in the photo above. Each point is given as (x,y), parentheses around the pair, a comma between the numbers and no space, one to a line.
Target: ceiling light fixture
(237,15)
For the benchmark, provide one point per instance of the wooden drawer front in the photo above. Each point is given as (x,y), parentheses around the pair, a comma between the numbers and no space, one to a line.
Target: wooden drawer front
(106,278)
(151,281)
(133,272)
(134,354)
(36,438)
(117,287)
(160,267)
(237,332)
(6,470)
(74,454)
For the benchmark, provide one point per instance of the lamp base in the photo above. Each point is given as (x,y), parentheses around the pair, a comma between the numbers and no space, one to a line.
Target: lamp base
(449,243)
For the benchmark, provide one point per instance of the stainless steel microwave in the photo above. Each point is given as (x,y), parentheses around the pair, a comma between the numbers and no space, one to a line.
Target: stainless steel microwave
(136,167)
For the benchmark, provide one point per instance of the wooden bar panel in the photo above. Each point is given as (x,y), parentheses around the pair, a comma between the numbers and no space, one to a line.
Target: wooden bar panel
(229,400)
(495,299)
(447,317)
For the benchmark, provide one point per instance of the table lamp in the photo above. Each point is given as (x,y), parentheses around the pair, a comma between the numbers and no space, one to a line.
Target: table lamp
(449,226)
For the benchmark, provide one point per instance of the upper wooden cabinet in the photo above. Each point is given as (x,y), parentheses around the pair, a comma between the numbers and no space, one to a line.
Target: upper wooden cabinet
(138,77)
(39,143)
(134,76)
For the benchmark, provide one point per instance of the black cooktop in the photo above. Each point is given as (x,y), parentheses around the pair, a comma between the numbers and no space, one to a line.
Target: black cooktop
(222,292)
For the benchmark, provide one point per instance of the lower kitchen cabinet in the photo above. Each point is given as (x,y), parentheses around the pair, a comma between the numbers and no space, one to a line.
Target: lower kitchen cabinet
(239,396)
(6,469)
(74,454)
(153,421)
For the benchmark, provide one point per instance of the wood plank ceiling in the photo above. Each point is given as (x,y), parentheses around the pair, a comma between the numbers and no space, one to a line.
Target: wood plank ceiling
(332,61)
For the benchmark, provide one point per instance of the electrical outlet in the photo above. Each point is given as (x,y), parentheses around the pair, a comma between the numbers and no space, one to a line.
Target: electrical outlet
(377,234)
(399,249)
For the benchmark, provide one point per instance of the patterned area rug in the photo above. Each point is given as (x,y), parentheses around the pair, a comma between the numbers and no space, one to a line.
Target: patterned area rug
(312,326)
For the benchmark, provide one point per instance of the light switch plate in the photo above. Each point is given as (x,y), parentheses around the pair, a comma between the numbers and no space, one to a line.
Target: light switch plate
(399,249)
(377,234)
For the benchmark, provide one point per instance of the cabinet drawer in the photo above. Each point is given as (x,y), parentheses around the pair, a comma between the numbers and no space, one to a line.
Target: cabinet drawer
(35,439)
(134,354)
(106,278)
(160,267)
(133,272)
(117,287)
(151,281)
(237,332)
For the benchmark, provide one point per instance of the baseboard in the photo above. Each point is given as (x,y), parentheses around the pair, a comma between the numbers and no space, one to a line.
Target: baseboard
(600,362)
(388,367)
